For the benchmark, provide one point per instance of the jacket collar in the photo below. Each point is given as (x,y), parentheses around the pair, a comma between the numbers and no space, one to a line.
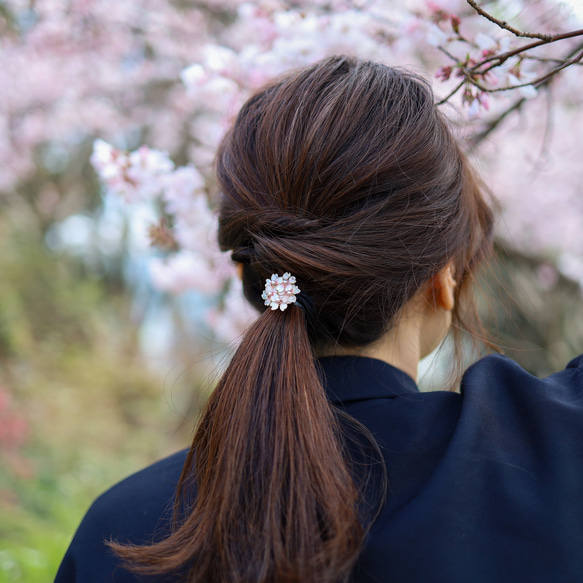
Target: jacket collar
(359,378)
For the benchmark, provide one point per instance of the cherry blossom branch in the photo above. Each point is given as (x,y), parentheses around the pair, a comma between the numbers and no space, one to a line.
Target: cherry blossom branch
(452,92)
(536,82)
(504,25)
(474,73)
(501,58)
(547,60)
(494,123)
(573,61)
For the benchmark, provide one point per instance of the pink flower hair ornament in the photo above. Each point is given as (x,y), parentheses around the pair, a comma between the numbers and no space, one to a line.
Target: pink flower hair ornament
(280,291)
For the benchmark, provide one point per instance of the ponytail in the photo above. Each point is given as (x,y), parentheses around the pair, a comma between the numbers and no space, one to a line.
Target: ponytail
(275,501)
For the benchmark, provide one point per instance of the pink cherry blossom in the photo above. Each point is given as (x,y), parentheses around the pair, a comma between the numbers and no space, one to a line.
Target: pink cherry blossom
(160,82)
(182,272)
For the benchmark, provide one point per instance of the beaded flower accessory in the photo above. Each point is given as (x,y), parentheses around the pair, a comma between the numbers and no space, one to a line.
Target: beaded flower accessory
(280,291)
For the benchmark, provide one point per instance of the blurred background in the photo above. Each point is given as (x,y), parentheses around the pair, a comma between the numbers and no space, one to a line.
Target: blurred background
(102,372)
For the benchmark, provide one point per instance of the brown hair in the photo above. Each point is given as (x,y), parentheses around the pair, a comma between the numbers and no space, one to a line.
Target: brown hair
(346,175)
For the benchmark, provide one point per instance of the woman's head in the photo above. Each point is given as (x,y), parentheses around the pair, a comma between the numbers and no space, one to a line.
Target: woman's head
(346,175)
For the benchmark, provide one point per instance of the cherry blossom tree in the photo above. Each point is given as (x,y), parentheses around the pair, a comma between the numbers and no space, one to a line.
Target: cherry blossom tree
(159,83)
(494,74)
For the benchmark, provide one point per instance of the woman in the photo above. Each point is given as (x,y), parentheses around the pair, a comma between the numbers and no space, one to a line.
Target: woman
(316,458)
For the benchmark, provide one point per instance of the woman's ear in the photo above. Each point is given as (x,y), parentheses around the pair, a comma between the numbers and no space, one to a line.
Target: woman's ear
(442,288)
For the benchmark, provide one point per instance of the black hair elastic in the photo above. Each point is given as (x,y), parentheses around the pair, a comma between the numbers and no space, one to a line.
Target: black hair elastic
(305,303)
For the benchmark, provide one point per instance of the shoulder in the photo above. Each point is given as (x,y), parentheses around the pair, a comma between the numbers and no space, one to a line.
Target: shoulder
(139,499)
(497,375)
(503,482)
(506,406)
(136,510)
(499,368)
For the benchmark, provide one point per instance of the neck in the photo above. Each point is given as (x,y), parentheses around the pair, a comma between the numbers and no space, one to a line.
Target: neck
(401,350)
(400,347)
(419,328)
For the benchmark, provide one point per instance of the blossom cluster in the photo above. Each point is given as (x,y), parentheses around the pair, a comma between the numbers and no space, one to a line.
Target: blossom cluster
(149,175)
(187,229)
(70,70)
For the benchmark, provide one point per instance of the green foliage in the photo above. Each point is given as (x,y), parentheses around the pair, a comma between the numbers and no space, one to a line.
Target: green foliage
(71,362)
(35,532)
(43,302)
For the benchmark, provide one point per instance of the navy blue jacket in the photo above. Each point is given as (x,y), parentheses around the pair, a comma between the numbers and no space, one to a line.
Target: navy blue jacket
(485,486)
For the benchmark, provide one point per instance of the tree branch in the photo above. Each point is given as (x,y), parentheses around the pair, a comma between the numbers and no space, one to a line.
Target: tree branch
(547,60)
(452,92)
(477,138)
(505,56)
(552,73)
(504,25)
(535,83)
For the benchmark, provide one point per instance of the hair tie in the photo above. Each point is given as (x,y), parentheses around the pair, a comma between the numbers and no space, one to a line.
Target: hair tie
(304,301)
(280,291)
